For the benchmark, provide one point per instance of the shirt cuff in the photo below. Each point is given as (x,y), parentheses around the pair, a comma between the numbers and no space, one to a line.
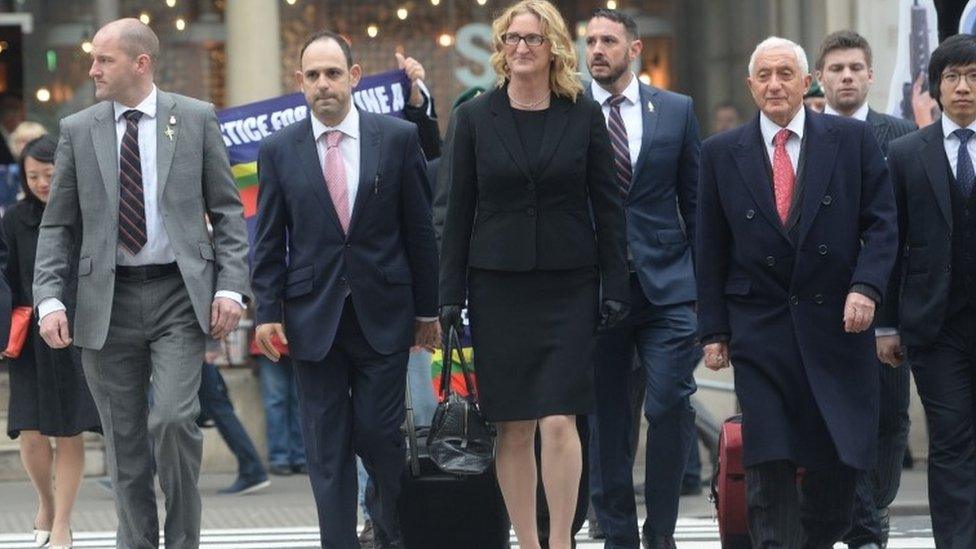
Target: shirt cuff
(885,332)
(867,291)
(715,338)
(48,306)
(425,318)
(237,297)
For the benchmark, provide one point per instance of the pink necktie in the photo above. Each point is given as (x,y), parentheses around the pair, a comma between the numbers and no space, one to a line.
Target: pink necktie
(784,178)
(335,177)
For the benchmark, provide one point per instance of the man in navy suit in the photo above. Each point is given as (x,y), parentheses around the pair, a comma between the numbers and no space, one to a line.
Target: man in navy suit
(345,273)
(796,238)
(656,145)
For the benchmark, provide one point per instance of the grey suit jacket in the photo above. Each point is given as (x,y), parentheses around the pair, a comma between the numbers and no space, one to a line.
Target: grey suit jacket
(194,180)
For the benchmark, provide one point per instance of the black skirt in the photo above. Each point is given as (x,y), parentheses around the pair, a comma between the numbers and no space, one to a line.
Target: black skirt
(48,391)
(534,335)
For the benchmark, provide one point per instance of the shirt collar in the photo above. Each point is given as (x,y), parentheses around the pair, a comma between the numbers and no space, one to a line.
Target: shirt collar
(147,107)
(631,92)
(770,128)
(349,125)
(949,126)
(860,114)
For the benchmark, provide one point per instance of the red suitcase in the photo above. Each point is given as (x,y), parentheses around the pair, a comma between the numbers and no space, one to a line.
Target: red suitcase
(729,487)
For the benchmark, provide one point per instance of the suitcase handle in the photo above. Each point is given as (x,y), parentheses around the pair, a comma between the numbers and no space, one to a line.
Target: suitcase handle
(412,448)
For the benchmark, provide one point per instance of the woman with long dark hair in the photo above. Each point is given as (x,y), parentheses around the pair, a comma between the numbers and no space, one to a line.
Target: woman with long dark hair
(49,398)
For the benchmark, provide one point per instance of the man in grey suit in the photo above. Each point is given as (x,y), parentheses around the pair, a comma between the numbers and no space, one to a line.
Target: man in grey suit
(136,177)
(844,71)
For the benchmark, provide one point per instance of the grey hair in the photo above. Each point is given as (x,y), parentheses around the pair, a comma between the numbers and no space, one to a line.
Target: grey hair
(775,43)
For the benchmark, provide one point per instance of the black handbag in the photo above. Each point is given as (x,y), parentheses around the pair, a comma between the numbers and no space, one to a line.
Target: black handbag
(461,441)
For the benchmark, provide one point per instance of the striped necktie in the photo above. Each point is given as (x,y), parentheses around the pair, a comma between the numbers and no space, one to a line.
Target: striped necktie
(621,146)
(132,209)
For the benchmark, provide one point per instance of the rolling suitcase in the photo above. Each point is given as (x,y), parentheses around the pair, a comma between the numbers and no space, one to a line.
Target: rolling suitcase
(729,487)
(443,511)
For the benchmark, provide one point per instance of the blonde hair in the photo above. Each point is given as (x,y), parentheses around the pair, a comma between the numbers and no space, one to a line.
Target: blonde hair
(563,78)
(24,133)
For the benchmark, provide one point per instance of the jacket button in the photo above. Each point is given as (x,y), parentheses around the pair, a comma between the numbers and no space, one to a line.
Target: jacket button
(826,200)
(949,236)
(750,214)
(818,299)
(948,268)
(348,245)
(794,300)
(770,261)
(822,249)
(530,186)
(530,212)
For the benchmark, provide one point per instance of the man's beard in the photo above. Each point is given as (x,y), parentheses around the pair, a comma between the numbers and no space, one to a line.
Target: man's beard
(613,76)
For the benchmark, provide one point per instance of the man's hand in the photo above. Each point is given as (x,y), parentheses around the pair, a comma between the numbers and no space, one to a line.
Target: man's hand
(54,330)
(264,336)
(612,312)
(716,355)
(923,106)
(225,313)
(889,350)
(415,72)
(858,313)
(427,334)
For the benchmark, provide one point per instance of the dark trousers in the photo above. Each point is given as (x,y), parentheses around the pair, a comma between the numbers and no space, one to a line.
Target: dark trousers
(352,403)
(877,488)
(945,373)
(814,516)
(215,403)
(663,340)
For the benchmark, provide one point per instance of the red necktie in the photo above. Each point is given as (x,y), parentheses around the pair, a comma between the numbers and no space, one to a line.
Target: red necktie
(784,178)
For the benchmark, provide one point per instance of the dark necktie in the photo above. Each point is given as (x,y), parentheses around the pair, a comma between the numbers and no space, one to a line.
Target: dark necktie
(964,163)
(621,147)
(132,209)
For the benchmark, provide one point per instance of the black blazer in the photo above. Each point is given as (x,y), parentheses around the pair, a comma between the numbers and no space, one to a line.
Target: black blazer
(887,128)
(501,216)
(918,293)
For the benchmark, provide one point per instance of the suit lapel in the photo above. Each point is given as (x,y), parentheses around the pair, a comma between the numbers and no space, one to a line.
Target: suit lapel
(750,158)
(166,136)
(650,121)
(369,157)
(820,154)
(556,120)
(504,124)
(308,156)
(881,128)
(105,141)
(933,158)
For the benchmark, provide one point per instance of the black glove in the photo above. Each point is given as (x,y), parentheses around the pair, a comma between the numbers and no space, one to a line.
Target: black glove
(611,313)
(450,317)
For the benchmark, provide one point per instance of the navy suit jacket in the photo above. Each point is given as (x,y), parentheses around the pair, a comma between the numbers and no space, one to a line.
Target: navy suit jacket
(808,390)
(660,207)
(304,266)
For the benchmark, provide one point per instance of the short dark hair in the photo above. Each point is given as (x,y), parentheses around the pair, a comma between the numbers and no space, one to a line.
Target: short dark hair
(328,35)
(41,149)
(618,17)
(843,40)
(952,52)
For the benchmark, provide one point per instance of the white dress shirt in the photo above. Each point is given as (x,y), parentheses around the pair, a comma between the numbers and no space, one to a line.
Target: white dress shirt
(770,129)
(157,250)
(348,148)
(860,114)
(630,111)
(951,142)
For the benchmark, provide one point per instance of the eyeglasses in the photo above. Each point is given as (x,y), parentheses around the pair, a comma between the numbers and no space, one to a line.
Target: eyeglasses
(953,78)
(531,40)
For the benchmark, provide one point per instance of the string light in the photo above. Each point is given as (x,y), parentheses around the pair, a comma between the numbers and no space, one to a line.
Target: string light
(180,24)
(372,31)
(580,30)
(445,39)
(171,3)
(43,95)
(86,46)
(144,17)
(435,2)
(402,13)
(611,4)
(482,2)
(290,2)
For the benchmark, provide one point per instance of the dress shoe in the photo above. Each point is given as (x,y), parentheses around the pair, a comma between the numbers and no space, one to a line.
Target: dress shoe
(657,541)
(41,537)
(280,470)
(299,469)
(244,486)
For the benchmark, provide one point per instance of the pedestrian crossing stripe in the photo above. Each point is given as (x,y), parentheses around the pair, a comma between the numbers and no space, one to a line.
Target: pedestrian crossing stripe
(690,533)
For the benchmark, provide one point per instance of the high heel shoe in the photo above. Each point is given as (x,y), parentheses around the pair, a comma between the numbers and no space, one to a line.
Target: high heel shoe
(41,537)
(71,541)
